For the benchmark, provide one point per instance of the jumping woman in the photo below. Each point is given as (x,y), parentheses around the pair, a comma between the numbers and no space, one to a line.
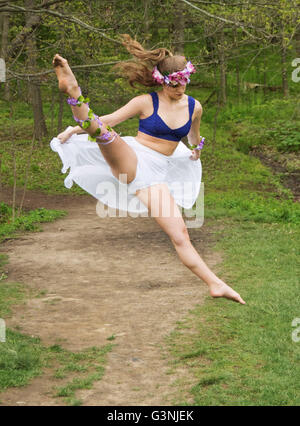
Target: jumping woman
(151,169)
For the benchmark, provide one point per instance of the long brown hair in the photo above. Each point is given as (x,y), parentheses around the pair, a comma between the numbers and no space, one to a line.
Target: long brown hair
(140,69)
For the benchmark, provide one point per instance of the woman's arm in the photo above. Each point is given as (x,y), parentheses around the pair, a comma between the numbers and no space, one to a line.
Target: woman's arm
(194,133)
(131,109)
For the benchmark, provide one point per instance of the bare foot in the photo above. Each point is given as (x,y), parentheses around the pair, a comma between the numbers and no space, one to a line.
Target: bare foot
(221,289)
(66,79)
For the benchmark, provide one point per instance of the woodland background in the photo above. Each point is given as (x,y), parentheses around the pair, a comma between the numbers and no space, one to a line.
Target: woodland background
(237,47)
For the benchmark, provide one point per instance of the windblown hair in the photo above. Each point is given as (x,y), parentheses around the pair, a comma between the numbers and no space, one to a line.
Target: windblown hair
(140,69)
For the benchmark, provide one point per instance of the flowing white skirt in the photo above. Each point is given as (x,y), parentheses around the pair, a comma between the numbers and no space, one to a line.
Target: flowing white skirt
(91,172)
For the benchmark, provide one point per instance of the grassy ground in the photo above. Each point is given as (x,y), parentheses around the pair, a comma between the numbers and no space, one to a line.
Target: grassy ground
(245,355)
(25,221)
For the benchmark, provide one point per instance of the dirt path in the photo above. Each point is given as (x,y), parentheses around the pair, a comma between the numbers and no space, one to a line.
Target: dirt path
(287,165)
(104,277)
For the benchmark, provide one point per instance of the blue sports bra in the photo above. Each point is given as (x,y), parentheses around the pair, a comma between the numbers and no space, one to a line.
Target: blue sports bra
(156,127)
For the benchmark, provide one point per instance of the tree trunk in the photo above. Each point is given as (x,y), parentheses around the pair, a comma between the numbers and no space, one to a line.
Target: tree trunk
(26,177)
(13,151)
(237,67)
(238,80)
(178,26)
(4,47)
(218,108)
(40,129)
(297,42)
(265,77)
(147,19)
(222,67)
(285,86)
(53,93)
(60,112)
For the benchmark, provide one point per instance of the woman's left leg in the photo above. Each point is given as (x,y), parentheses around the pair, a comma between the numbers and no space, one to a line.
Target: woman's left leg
(121,158)
(163,208)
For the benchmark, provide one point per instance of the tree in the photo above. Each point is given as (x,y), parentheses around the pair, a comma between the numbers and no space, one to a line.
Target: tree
(4,46)
(34,91)
(222,62)
(297,41)
(178,27)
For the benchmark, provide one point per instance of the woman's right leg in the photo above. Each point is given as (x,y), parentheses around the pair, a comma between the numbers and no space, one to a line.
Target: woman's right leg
(165,211)
(120,157)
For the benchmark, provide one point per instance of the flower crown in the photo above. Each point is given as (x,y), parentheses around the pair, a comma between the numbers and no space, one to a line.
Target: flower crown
(181,77)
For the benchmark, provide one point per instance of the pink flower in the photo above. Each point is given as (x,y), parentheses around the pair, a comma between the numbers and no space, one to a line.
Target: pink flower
(181,77)
(157,76)
(190,67)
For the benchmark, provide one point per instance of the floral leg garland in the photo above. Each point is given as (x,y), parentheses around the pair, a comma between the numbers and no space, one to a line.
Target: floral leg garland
(85,124)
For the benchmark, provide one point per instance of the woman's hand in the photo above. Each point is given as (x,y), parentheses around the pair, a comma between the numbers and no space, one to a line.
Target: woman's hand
(195,154)
(66,134)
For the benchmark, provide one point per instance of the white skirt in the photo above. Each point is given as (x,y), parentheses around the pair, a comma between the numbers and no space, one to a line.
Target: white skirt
(90,171)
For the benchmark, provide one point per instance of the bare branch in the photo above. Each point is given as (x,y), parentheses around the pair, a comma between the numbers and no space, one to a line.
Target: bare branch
(50,3)
(19,9)
(44,4)
(40,74)
(227,21)
(19,76)
(268,5)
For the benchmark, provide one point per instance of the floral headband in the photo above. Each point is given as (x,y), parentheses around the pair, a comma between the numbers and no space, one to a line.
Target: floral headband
(181,77)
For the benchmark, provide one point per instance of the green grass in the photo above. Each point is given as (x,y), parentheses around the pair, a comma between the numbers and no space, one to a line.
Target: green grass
(238,185)
(20,359)
(10,294)
(44,172)
(87,366)
(20,356)
(27,221)
(274,123)
(3,262)
(244,355)
(23,358)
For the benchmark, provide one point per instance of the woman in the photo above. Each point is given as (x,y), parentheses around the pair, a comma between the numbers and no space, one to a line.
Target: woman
(147,165)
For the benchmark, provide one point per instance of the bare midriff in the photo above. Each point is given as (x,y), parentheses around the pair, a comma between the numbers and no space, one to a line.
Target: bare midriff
(161,145)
